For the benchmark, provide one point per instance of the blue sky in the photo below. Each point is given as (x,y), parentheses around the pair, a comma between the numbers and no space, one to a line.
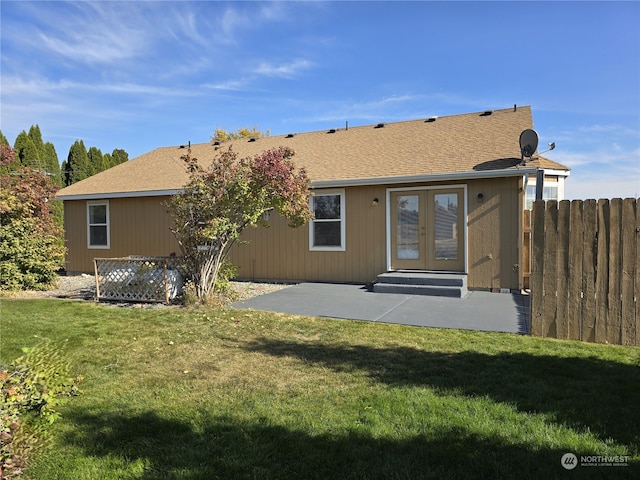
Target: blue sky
(139,75)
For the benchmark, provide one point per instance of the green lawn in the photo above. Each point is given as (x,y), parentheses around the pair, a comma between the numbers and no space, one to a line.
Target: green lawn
(204,394)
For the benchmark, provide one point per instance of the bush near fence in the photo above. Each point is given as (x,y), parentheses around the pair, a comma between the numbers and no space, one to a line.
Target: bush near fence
(585,273)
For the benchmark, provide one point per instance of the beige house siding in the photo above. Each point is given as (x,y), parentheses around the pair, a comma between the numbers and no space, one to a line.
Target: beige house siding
(140,226)
(283,253)
(493,241)
(494,234)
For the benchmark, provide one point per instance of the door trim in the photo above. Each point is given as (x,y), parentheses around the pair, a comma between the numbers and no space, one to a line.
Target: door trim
(425,188)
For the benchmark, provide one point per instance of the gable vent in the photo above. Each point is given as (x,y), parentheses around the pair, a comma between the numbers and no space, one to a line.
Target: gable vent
(380,125)
(486,113)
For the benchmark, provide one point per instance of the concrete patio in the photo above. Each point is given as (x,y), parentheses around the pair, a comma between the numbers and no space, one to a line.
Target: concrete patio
(482,311)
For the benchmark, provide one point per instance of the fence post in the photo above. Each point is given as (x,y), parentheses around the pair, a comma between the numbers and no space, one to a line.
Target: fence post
(95,269)
(166,281)
(537,270)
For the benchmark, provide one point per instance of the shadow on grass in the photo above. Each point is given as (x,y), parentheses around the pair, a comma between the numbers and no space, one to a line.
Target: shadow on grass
(228,448)
(582,393)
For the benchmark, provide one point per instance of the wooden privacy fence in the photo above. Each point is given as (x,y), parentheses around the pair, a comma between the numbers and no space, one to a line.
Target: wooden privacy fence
(139,279)
(585,274)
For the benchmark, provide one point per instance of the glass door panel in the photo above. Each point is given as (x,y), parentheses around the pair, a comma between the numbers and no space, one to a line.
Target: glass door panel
(408,230)
(446,230)
(446,226)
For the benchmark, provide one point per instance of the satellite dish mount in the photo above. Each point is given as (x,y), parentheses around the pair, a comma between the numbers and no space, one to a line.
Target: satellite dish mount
(528,144)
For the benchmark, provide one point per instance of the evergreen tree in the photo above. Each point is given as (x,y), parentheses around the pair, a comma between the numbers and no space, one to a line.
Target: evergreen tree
(3,139)
(64,172)
(119,156)
(36,137)
(26,151)
(51,162)
(107,161)
(77,167)
(96,160)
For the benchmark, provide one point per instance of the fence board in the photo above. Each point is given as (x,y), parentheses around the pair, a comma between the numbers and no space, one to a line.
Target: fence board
(613,324)
(537,270)
(562,269)
(549,289)
(637,280)
(629,253)
(636,283)
(589,242)
(602,271)
(575,277)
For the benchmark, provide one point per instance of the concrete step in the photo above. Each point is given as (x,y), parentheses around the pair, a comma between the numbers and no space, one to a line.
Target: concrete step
(422,283)
(424,278)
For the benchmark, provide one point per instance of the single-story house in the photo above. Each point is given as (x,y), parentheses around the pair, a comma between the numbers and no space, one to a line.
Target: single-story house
(433,194)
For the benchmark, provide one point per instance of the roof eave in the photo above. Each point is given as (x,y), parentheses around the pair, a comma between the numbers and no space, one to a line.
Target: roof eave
(350,182)
(109,195)
(438,177)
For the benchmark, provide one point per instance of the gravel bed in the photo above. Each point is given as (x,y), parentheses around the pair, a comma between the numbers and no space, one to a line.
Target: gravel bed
(83,287)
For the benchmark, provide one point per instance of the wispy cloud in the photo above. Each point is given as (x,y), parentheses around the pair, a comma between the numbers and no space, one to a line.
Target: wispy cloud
(229,85)
(229,26)
(284,70)
(42,87)
(93,48)
(92,33)
(388,107)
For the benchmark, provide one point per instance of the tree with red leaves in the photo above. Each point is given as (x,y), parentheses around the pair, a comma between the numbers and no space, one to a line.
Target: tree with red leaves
(219,202)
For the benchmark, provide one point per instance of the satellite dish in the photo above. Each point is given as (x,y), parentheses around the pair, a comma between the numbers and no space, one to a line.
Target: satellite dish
(528,143)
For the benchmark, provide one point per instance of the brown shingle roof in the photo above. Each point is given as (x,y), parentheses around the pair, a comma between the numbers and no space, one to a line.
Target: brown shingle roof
(453,144)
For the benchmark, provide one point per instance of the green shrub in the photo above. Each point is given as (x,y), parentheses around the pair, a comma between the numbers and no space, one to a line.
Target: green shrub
(31,243)
(222,293)
(31,389)
(29,257)
(223,282)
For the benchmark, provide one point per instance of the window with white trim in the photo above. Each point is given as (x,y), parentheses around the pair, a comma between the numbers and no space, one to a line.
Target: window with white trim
(327,228)
(98,234)
(550,191)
